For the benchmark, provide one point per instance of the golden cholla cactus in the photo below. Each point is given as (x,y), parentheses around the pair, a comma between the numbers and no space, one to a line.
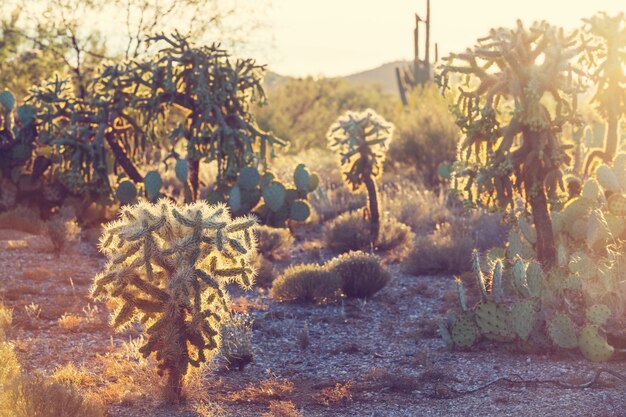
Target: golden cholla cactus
(167,267)
(510,130)
(361,139)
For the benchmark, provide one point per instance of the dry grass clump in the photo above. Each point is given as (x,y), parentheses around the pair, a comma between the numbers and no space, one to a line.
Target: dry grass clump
(9,365)
(329,200)
(337,394)
(237,341)
(350,231)
(411,204)
(440,253)
(306,283)
(62,229)
(361,274)
(30,396)
(69,374)
(70,322)
(274,243)
(24,219)
(282,409)
(6,321)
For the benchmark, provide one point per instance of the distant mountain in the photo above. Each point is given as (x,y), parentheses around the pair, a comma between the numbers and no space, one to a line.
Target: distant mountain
(384,75)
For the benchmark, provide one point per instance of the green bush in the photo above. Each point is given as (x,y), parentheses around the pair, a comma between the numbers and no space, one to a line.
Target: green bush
(426,134)
(302,109)
(361,274)
(350,231)
(440,253)
(236,345)
(306,283)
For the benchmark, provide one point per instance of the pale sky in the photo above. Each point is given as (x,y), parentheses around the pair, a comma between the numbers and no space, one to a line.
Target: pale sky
(340,37)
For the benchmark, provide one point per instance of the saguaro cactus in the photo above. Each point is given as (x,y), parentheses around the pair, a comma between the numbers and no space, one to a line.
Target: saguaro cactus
(421,71)
(361,140)
(167,267)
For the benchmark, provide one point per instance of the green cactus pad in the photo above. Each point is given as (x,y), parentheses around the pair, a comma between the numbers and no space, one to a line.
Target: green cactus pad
(528,230)
(591,190)
(593,345)
(562,331)
(576,208)
(615,224)
(464,332)
(523,318)
(7,100)
(152,183)
(234,199)
(617,205)
(598,314)
(607,179)
(314,182)
(597,230)
(126,192)
(182,170)
(26,114)
(301,177)
(519,277)
(274,196)
(497,284)
(519,247)
(249,178)
(266,179)
(534,278)
(493,321)
(300,210)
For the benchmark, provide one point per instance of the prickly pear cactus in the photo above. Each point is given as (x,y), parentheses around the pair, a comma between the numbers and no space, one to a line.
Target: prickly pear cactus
(598,314)
(593,345)
(523,317)
(493,321)
(562,331)
(464,332)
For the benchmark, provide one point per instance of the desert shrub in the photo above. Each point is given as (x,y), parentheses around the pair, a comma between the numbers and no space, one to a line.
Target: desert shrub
(24,219)
(69,374)
(237,341)
(426,134)
(9,365)
(306,283)
(332,200)
(350,231)
(361,274)
(29,396)
(265,272)
(274,243)
(448,249)
(301,109)
(62,229)
(421,209)
(440,253)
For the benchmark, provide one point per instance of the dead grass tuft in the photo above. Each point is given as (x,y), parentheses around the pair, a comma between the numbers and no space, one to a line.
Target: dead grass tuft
(282,409)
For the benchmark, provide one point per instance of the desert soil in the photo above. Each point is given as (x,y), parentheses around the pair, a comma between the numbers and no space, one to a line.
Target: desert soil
(381,358)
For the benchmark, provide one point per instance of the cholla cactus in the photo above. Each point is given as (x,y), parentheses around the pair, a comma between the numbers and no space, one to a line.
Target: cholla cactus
(167,267)
(361,140)
(518,69)
(609,75)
